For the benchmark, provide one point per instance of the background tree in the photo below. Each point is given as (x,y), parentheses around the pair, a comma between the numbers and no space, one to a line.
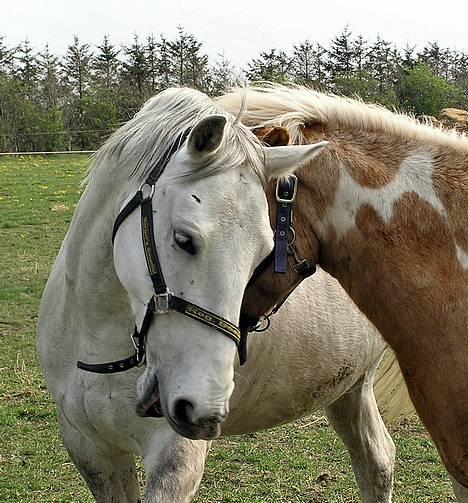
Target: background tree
(273,65)
(222,75)
(190,65)
(49,79)
(341,55)
(134,75)
(51,102)
(165,64)
(303,63)
(27,68)
(6,58)
(427,94)
(106,65)
(76,68)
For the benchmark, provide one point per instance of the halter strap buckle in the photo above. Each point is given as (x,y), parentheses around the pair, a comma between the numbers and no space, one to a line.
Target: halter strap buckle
(286,197)
(147,191)
(161,302)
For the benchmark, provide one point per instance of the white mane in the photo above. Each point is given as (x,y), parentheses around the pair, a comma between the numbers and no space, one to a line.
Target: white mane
(135,148)
(296,107)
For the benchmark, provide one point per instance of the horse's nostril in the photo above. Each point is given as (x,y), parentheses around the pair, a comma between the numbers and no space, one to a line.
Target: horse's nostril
(183,411)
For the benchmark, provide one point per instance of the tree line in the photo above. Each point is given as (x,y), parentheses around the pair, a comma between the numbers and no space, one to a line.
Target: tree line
(73,101)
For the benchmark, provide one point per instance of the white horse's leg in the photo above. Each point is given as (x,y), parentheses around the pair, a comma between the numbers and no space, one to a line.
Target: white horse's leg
(174,467)
(111,478)
(460,491)
(356,419)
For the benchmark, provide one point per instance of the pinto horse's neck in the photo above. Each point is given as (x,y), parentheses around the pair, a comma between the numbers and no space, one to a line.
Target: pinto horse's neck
(392,222)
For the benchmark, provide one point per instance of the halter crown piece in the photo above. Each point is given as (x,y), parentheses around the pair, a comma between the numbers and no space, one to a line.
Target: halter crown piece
(163,299)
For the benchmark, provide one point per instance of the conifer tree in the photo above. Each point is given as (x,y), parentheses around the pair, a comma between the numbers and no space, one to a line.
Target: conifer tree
(303,63)
(27,67)
(6,58)
(381,64)
(223,75)
(190,65)
(76,67)
(341,54)
(152,62)
(135,67)
(49,78)
(165,64)
(272,65)
(105,64)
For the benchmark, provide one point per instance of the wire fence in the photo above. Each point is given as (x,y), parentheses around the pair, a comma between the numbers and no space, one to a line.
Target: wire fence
(53,152)
(78,141)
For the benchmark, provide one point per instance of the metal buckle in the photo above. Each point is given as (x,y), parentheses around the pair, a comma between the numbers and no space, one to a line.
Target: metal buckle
(286,198)
(151,191)
(161,302)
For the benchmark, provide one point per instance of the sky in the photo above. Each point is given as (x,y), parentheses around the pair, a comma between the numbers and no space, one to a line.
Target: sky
(238,28)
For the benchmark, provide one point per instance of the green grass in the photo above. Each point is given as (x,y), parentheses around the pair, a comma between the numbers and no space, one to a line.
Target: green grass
(302,462)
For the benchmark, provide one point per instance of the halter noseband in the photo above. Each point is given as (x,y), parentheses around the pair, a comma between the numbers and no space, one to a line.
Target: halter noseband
(163,299)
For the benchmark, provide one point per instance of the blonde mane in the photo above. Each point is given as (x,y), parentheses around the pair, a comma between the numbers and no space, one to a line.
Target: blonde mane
(295,107)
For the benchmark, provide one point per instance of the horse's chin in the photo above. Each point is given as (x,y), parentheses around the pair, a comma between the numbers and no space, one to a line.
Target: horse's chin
(149,402)
(207,431)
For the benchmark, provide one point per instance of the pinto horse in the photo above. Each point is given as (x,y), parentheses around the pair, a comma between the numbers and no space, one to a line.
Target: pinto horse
(385,211)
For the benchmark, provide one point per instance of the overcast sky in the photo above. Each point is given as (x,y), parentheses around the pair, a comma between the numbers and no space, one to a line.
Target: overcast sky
(240,28)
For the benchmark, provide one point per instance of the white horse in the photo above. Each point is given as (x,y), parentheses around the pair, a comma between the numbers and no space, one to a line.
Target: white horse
(209,202)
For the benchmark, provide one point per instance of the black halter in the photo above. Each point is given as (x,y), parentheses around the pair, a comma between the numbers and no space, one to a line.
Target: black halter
(285,236)
(163,299)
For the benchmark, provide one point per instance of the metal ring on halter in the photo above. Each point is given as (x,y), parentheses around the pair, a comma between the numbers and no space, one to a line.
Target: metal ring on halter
(293,236)
(293,233)
(263,320)
(150,196)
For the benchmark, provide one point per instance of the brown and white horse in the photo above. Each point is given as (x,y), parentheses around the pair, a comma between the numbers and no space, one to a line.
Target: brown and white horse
(385,211)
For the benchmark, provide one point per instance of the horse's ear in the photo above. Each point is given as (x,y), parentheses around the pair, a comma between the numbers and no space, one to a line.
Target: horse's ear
(277,136)
(207,134)
(282,161)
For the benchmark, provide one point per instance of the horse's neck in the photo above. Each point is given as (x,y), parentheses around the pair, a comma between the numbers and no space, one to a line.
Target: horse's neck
(391,233)
(105,317)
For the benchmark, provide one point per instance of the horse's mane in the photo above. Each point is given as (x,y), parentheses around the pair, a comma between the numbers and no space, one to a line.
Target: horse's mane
(143,141)
(295,107)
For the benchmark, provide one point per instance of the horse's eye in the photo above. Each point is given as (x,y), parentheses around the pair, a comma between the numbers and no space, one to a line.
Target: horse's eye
(185,242)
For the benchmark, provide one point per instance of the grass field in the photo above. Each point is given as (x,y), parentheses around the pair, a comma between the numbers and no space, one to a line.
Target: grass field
(302,462)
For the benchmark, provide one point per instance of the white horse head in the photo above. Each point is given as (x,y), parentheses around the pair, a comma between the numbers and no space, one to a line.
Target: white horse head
(211,229)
